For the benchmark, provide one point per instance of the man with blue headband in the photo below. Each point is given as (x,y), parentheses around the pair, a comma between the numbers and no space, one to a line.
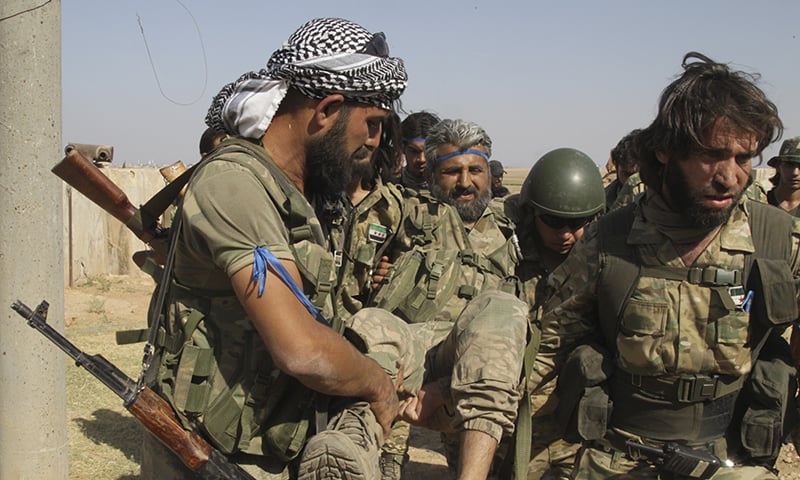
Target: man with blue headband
(455,254)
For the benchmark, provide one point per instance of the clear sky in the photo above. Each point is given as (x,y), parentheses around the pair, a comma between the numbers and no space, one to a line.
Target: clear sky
(536,75)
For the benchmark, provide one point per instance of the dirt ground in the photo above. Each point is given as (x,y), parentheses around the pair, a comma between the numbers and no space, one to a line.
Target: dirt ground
(104,439)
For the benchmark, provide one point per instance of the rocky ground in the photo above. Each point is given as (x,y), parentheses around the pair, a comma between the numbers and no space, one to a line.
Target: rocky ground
(104,438)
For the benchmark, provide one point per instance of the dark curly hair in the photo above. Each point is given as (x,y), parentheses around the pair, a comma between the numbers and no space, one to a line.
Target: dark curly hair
(691,104)
(624,153)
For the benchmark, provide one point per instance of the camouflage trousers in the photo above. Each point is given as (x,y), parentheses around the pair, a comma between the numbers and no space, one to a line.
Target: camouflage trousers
(396,445)
(597,464)
(478,359)
(552,457)
(481,354)
(554,461)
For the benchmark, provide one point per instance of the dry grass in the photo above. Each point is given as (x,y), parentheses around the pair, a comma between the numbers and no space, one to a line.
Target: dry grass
(514,177)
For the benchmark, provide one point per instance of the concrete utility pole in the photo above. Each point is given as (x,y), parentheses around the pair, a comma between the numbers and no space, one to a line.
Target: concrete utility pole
(33,420)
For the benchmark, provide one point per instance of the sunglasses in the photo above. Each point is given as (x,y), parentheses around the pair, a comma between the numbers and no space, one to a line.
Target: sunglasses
(557,223)
(377,46)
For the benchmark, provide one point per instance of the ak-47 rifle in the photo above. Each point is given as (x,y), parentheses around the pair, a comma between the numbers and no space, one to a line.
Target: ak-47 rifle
(152,411)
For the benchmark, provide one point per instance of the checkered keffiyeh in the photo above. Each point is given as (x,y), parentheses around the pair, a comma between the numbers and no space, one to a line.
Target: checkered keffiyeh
(319,59)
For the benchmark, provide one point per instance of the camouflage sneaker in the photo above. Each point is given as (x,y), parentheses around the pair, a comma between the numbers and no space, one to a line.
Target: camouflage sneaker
(392,465)
(348,450)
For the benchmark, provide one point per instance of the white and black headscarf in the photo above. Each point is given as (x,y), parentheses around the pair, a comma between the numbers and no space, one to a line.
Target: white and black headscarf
(323,57)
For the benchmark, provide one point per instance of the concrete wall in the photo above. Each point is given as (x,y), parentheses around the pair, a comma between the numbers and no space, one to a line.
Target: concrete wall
(96,243)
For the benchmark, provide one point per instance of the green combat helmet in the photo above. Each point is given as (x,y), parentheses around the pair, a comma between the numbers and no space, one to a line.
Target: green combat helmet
(566,183)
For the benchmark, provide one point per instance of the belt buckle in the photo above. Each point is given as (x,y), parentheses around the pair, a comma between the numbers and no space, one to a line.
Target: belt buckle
(696,388)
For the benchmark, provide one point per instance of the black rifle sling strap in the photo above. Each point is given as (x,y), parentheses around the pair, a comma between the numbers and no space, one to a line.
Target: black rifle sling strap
(765,220)
(156,319)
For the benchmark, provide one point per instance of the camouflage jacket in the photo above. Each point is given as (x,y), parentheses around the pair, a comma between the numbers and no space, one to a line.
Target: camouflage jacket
(627,193)
(363,235)
(439,265)
(533,274)
(667,326)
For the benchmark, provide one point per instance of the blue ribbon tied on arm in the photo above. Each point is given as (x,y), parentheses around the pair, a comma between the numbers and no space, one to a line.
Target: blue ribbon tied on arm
(261,263)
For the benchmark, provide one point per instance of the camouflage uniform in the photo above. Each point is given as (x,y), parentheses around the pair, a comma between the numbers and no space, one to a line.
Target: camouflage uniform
(480,259)
(756,192)
(212,354)
(628,192)
(477,359)
(432,226)
(551,456)
(667,328)
(361,238)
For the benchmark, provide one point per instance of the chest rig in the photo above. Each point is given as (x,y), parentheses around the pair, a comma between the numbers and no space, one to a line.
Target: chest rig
(698,406)
(442,272)
(215,370)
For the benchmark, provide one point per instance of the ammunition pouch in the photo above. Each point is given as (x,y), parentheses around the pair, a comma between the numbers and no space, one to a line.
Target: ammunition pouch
(584,406)
(258,411)
(776,301)
(426,285)
(766,411)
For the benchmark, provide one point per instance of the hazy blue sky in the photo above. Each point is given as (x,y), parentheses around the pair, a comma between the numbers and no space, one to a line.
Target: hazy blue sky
(535,75)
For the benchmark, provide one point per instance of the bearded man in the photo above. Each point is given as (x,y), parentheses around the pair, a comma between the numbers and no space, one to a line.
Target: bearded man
(671,309)
(246,362)
(467,245)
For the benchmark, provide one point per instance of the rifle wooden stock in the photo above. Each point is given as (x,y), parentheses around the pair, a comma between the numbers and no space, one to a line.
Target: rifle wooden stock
(155,414)
(82,175)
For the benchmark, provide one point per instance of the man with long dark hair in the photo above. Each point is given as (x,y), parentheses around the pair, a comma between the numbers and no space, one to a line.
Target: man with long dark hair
(667,314)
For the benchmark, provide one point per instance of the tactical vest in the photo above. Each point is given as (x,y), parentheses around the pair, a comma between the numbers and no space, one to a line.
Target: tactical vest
(698,408)
(215,369)
(360,239)
(435,279)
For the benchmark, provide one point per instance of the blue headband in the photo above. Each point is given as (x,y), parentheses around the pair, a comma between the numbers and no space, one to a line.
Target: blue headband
(414,140)
(438,160)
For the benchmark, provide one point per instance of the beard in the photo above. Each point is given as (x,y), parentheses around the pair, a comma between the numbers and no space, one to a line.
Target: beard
(329,166)
(468,211)
(688,202)
(363,168)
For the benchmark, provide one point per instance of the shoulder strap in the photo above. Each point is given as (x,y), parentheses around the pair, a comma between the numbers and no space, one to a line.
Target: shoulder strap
(764,221)
(619,269)
(296,217)
(524,428)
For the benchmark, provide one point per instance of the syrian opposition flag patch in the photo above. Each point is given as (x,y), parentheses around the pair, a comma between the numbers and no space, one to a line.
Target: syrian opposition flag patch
(377,233)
